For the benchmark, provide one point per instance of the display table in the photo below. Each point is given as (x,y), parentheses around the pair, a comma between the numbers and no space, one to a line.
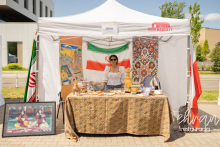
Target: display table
(116,114)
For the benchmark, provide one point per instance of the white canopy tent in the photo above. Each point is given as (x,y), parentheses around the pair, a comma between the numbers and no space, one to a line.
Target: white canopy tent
(173,37)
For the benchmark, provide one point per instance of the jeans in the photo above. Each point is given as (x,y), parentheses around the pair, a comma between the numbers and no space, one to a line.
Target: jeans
(111,87)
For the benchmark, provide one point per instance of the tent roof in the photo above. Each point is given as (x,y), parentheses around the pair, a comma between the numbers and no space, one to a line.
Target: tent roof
(130,23)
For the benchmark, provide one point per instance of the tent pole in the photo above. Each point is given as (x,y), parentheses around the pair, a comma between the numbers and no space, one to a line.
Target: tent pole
(37,67)
(188,77)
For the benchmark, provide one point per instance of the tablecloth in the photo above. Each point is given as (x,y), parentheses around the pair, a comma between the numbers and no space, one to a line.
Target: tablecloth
(133,114)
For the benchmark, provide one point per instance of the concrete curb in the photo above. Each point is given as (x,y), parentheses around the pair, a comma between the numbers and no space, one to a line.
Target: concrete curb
(208,102)
(14,72)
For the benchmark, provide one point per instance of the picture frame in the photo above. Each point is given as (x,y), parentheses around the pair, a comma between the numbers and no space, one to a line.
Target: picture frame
(29,119)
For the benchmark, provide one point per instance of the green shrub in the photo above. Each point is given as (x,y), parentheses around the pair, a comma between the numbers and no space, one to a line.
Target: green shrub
(208,68)
(215,57)
(203,67)
(14,66)
(4,68)
(216,67)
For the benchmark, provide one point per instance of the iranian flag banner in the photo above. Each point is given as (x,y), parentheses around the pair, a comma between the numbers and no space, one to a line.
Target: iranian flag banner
(30,89)
(195,89)
(98,58)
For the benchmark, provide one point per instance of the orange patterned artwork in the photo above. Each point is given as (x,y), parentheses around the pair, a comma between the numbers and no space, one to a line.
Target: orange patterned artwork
(70,59)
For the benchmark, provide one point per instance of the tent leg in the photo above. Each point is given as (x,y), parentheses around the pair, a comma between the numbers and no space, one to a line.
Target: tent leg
(37,67)
(188,77)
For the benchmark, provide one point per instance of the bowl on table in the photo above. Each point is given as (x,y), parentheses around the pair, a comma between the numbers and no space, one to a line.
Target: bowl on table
(134,89)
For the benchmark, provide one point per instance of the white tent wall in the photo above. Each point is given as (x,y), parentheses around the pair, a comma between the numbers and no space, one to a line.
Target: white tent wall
(172,71)
(2,101)
(49,71)
(101,42)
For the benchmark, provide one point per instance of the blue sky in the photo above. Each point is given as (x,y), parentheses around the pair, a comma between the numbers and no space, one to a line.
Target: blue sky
(210,9)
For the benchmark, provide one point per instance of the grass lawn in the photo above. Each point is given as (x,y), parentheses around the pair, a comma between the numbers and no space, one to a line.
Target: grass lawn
(19,93)
(13,92)
(14,69)
(209,96)
(209,73)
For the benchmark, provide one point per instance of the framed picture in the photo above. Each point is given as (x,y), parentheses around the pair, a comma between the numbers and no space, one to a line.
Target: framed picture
(25,119)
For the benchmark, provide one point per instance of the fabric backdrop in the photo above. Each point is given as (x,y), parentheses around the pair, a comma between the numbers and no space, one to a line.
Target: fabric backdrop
(71,59)
(145,58)
(96,75)
(2,101)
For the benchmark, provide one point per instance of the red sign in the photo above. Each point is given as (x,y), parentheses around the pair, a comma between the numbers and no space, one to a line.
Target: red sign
(160,26)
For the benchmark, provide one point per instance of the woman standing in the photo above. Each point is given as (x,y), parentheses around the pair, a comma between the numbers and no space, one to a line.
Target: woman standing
(114,74)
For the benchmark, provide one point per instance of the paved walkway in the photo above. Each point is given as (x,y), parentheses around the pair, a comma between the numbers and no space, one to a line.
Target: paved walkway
(200,139)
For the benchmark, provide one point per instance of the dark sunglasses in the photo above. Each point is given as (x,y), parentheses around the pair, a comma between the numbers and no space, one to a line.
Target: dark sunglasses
(113,59)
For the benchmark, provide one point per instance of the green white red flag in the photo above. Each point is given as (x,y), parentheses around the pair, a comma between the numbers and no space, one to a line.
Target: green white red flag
(98,58)
(153,82)
(30,89)
(195,89)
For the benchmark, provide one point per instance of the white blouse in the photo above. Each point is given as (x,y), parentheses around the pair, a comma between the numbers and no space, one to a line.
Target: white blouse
(114,78)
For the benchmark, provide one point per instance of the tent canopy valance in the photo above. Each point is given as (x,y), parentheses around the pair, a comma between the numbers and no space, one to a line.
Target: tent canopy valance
(130,23)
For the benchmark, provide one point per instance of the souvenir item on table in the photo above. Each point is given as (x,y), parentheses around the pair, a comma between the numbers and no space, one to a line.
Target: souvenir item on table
(158,92)
(101,94)
(76,87)
(147,91)
(128,80)
(83,89)
(152,91)
(153,82)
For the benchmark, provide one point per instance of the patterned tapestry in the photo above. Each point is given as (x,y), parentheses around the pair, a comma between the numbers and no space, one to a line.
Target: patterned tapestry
(145,58)
(71,59)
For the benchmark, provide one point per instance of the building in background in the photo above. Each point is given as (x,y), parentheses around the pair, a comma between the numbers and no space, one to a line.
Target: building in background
(18,26)
(212,35)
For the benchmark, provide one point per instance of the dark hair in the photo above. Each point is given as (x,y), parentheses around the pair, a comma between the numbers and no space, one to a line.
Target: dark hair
(115,57)
(22,111)
(39,110)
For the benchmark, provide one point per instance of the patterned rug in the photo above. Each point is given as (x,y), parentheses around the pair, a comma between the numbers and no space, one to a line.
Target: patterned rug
(145,58)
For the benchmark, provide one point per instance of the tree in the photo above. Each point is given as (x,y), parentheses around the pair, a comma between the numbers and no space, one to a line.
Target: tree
(196,23)
(199,55)
(215,57)
(173,10)
(205,49)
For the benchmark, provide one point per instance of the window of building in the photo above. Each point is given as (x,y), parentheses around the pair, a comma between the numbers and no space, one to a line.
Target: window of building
(41,9)
(46,11)
(26,4)
(12,52)
(34,6)
(51,13)
(16,1)
(5,18)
